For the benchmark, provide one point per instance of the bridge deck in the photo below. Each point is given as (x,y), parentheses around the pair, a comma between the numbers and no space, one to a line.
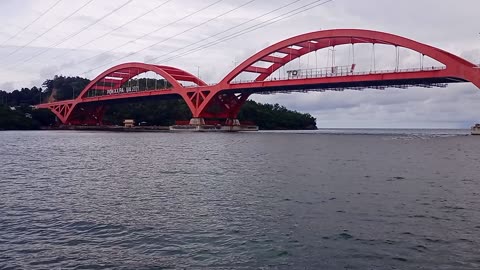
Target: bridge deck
(336,82)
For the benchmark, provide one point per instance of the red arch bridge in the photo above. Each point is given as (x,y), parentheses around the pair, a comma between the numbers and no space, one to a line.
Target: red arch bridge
(223,100)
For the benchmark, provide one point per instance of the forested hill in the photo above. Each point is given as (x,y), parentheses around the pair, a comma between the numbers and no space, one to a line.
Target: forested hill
(268,116)
(16,111)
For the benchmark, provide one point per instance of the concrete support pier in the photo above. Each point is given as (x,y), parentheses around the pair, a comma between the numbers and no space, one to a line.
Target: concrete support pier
(232,122)
(199,124)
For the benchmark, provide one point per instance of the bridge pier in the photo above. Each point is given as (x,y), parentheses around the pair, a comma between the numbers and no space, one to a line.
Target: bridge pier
(199,124)
(197,121)
(232,122)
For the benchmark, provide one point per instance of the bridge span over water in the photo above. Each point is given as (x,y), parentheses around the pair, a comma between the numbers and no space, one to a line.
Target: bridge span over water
(224,100)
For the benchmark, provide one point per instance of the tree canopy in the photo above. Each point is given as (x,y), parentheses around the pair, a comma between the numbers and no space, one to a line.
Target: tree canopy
(268,116)
(65,87)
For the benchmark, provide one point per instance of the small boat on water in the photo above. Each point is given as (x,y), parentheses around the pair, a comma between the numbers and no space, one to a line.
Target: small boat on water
(476,129)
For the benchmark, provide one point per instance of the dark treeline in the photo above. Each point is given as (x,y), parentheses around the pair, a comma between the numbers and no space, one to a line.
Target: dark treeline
(22,97)
(24,118)
(65,87)
(268,116)
(153,112)
(16,110)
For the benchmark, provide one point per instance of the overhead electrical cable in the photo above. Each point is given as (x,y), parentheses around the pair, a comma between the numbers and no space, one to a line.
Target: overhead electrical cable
(116,28)
(238,33)
(31,23)
(151,32)
(50,28)
(113,30)
(252,28)
(176,35)
(229,29)
(76,33)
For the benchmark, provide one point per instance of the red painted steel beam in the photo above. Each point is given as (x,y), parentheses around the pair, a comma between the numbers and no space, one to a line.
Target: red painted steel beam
(307,45)
(335,37)
(254,69)
(185,78)
(275,60)
(104,88)
(343,79)
(289,51)
(174,72)
(111,80)
(124,75)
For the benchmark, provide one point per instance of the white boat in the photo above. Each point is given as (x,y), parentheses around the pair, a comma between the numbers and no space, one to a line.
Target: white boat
(476,129)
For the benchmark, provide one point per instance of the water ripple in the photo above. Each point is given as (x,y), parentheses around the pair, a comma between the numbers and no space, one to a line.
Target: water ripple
(94,200)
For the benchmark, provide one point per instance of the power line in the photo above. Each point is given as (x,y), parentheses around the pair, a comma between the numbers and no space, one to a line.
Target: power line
(116,28)
(151,32)
(50,29)
(76,33)
(119,27)
(231,28)
(31,23)
(252,28)
(176,35)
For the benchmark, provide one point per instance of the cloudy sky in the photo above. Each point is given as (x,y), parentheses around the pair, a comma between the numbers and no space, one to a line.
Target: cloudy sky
(41,38)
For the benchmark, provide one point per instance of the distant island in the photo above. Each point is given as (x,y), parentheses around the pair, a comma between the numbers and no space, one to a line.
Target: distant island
(17,110)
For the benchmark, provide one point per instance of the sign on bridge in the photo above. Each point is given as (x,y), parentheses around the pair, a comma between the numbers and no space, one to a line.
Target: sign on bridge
(122,90)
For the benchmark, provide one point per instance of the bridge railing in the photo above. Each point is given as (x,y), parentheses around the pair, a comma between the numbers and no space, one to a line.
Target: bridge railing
(95,92)
(339,71)
(195,86)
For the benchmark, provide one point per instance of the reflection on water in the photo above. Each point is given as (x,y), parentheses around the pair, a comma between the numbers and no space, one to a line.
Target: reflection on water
(245,200)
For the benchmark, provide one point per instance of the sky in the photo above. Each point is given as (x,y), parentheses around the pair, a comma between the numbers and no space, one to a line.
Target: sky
(43,38)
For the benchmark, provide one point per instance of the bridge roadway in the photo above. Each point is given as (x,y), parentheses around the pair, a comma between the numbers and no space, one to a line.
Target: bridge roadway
(354,81)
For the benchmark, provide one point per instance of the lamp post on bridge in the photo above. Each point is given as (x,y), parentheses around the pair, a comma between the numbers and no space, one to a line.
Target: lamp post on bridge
(478,65)
(198,71)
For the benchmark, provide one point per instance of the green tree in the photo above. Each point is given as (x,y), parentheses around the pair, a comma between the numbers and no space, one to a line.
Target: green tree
(65,87)
(268,116)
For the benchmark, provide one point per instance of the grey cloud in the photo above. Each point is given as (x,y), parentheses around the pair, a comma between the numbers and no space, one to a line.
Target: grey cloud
(447,25)
(6,86)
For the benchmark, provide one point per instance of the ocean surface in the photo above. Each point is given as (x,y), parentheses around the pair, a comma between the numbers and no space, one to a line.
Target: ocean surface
(329,199)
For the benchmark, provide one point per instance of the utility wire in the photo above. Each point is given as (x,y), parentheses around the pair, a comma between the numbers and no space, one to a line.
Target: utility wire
(51,28)
(111,31)
(231,28)
(151,32)
(31,23)
(252,28)
(116,28)
(176,35)
(75,34)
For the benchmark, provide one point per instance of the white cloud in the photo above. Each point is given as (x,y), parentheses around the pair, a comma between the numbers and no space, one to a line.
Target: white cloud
(449,25)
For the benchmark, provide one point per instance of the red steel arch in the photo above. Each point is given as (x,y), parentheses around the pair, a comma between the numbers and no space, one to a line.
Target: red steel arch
(120,74)
(116,76)
(313,41)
